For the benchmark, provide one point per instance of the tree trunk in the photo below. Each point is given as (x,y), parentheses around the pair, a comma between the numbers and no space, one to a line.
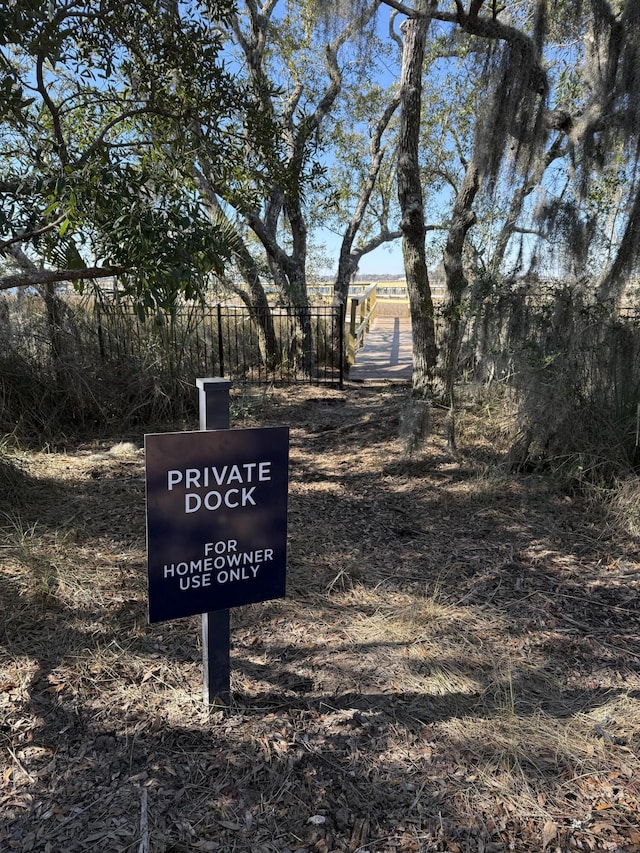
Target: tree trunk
(462,219)
(612,284)
(410,197)
(347,266)
(254,297)
(304,348)
(259,309)
(296,271)
(260,312)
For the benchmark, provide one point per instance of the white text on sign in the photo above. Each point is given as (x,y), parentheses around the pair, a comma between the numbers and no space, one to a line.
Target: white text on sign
(222,564)
(238,476)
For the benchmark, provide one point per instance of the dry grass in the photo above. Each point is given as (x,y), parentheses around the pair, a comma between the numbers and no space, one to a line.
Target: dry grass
(455,667)
(624,506)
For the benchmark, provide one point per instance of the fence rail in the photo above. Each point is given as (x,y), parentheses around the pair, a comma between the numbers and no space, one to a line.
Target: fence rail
(286,345)
(278,345)
(81,365)
(362,314)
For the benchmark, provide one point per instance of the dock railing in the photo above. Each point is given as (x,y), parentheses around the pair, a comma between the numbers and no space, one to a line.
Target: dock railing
(362,314)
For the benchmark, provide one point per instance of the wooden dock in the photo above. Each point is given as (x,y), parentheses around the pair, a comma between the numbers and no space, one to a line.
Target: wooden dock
(387,354)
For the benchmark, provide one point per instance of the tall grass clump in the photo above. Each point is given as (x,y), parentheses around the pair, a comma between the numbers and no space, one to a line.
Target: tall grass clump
(574,368)
(85,372)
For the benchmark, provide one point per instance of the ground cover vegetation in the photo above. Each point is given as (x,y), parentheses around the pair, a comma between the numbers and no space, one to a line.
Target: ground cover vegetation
(454,668)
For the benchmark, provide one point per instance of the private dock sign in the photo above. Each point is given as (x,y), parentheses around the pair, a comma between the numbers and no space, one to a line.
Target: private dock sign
(216,519)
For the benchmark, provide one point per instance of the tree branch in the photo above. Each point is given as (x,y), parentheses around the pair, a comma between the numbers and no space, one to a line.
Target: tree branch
(53,111)
(22,238)
(99,139)
(402,8)
(377,154)
(375,242)
(474,24)
(30,278)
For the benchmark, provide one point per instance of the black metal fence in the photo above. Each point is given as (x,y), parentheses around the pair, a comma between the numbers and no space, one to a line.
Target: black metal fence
(281,345)
(86,364)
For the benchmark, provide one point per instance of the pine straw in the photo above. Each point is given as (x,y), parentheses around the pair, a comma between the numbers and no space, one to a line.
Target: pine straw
(624,506)
(455,667)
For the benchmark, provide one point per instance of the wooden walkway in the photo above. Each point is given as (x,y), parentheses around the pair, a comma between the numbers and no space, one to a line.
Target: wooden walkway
(387,354)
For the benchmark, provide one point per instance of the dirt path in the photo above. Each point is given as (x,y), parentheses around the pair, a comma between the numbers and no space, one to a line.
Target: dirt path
(455,667)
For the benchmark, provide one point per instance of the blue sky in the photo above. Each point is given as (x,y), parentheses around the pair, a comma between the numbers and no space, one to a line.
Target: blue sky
(386,259)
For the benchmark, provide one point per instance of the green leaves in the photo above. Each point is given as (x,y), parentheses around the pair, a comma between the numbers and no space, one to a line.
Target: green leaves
(96,150)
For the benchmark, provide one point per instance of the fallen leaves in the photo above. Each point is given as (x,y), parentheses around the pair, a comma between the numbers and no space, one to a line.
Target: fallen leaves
(419,690)
(549,833)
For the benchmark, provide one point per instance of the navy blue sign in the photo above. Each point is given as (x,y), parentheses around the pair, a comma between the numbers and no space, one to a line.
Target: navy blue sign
(216,519)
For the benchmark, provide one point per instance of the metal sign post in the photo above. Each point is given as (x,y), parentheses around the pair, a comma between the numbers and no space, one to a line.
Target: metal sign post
(216,525)
(216,642)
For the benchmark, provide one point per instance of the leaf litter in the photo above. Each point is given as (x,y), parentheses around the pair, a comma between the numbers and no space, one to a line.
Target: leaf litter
(455,666)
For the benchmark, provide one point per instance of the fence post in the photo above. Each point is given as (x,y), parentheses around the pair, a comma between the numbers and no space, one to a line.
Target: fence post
(352,330)
(216,667)
(103,356)
(220,343)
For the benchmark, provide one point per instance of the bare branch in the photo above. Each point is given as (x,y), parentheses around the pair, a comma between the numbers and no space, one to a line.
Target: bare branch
(31,278)
(377,241)
(31,235)
(377,155)
(53,111)
(335,75)
(403,9)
